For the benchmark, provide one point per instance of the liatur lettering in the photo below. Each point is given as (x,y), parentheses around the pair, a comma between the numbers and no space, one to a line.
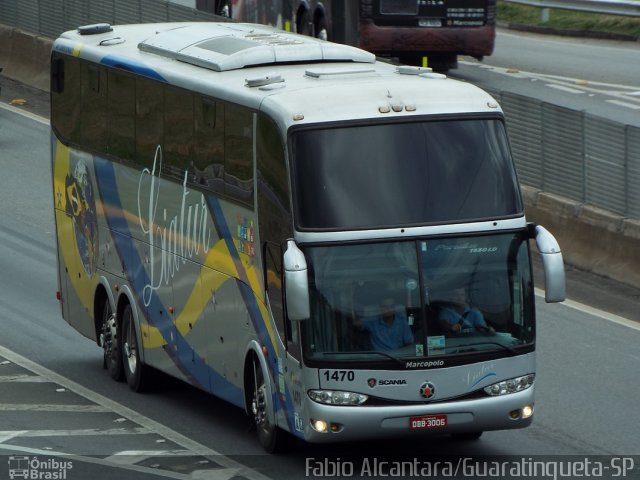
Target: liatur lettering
(177,237)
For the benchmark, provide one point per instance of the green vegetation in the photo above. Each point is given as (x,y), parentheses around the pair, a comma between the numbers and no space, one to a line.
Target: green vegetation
(569,20)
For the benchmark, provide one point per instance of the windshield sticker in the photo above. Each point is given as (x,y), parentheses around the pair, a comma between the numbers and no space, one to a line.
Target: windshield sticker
(435,345)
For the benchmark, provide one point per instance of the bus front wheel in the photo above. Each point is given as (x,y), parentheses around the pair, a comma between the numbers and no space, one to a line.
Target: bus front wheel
(110,340)
(272,438)
(133,367)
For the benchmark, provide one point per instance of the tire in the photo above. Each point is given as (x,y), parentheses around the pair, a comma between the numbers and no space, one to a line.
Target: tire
(272,438)
(134,370)
(110,340)
(303,22)
(321,29)
(223,8)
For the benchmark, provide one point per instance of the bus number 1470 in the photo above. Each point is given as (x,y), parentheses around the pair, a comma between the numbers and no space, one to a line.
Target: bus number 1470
(339,375)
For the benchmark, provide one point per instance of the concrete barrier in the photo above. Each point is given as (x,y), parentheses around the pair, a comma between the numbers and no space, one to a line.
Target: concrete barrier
(25,57)
(591,239)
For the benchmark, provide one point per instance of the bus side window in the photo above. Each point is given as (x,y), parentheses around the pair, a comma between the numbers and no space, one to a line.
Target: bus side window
(149,113)
(273,284)
(208,144)
(121,125)
(65,97)
(178,131)
(238,161)
(93,110)
(274,222)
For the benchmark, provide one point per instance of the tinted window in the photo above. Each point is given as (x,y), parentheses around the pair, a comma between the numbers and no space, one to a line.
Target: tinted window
(238,142)
(178,124)
(208,144)
(122,114)
(403,174)
(149,128)
(93,113)
(65,96)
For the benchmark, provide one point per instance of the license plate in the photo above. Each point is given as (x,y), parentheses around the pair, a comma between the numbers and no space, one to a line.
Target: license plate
(426,422)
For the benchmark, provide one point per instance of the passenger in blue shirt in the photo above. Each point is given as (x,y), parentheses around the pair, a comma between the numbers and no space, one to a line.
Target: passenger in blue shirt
(457,316)
(388,330)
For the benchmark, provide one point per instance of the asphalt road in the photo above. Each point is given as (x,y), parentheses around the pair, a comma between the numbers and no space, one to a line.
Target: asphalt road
(595,60)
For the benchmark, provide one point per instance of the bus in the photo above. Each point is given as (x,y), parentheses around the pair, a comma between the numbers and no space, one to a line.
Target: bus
(429,33)
(233,203)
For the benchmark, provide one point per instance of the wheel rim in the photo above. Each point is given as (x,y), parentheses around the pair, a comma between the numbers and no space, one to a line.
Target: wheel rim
(109,335)
(130,349)
(259,408)
(259,403)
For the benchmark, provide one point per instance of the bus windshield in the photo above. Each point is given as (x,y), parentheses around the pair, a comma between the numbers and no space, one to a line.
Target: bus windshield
(425,297)
(428,172)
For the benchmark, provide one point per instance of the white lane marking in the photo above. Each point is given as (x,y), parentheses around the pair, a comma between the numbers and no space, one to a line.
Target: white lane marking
(565,89)
(88,432)
(36,407)
(10,435)
(583,85)
(123,411)
(24,113)
(596,312)
(22,378)
(578,43)
(625,104)
(131,457)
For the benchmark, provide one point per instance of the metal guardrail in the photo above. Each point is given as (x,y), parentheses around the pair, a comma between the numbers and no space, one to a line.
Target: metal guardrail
(630,8)
(574,154)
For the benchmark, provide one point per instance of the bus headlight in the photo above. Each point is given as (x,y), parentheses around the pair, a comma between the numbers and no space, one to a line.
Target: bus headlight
(512,385)
(333,397)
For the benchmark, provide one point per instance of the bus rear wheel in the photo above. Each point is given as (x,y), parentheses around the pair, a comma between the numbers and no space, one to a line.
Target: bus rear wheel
(110,341)
(133,366)
(272,438)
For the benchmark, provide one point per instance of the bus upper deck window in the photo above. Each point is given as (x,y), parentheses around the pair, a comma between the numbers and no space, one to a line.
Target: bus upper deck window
(57,75)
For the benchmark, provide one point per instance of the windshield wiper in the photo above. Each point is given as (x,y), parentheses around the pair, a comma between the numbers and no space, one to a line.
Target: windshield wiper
(457,348)
(367,352)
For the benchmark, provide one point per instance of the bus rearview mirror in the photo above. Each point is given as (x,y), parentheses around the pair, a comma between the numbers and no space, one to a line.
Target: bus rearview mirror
(554,278)
(296,282)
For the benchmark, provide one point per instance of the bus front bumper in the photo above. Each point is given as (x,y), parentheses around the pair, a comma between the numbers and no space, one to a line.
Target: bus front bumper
(345,423)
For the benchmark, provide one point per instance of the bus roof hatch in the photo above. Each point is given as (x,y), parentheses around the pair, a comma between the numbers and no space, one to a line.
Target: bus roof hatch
(231,46)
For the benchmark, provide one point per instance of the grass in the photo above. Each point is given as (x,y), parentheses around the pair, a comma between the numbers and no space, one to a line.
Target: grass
(590,23)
